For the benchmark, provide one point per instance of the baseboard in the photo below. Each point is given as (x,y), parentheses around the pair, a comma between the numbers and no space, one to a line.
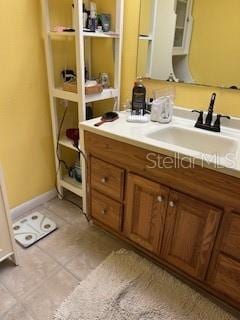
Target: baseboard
(32,204)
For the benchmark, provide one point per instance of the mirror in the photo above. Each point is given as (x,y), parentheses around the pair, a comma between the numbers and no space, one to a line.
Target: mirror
(191,41)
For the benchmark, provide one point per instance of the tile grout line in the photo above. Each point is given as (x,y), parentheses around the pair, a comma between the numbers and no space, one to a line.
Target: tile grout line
(63,266)
(18,302)
(26,310)
(24,296)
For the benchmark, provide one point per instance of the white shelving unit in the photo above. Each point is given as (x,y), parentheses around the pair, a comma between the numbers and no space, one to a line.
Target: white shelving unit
(7,242)
(82,51)
(183,28)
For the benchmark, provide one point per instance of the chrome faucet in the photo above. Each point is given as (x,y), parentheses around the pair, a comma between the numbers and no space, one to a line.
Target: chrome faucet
(208,122)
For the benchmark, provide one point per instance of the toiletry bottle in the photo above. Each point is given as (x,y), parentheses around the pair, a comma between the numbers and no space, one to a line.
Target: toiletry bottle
(139,97)
(85,16)
(92,20)
(149,104)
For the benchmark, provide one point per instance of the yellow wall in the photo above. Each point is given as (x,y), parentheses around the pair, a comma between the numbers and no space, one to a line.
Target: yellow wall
(142,58)
(145,17)
(215,48)
(26,150)
(228,101)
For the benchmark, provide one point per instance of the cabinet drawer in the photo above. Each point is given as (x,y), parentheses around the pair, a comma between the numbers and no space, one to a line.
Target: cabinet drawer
(231,236)
(106,211)
(107,178)
(226,277)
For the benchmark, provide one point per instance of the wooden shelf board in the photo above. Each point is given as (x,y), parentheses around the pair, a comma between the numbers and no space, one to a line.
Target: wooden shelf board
(60,93)
(101,35)
(149,38)
(106,94)
(61,34)
(68,143)
(113,35)
(72,185)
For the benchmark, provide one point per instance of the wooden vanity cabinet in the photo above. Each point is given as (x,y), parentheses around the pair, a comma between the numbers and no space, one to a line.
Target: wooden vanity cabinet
(178,228)
(231,235)
(188,220)
(107,178)
(190,231)
(106,211)
(145,212)
(224,272)
(106,193)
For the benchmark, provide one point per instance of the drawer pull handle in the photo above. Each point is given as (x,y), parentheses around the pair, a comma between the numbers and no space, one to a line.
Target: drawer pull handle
(104,180)
(160,199)
(104,212)
(171,204)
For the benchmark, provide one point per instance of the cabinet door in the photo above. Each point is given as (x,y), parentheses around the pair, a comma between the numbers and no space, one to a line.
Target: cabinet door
(181,22)
(231,235)
(189,235)
(225,277)
(224,273)
(145,212)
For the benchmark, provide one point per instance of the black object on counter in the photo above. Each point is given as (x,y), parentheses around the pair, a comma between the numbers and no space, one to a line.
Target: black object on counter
(139,97)
(107,117)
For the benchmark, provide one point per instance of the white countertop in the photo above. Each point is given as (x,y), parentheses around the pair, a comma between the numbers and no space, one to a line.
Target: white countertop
(141,135)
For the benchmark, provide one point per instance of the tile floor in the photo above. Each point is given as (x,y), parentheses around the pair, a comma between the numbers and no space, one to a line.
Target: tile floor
(50,270)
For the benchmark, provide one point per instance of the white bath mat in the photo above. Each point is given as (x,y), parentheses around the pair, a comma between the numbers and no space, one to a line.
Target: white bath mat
(32,228)
(128,287)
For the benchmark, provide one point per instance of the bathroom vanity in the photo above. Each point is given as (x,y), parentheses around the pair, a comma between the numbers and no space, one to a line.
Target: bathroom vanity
(172,203)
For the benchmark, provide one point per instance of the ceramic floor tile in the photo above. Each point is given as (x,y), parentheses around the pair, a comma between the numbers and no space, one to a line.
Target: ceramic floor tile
(82,265)
(6,300)
(40,282)
(34,267)
(94,248)
(63,244)
(17,313)
(68,212)
(45,300)
(51,215)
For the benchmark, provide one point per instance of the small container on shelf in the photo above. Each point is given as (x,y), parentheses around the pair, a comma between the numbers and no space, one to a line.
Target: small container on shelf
(70,86)
(92,87)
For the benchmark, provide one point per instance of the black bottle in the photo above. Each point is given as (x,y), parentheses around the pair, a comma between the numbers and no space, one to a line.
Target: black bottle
(139,97)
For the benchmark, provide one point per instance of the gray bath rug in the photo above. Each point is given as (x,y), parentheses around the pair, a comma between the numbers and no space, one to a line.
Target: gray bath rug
(128,287)
(32,228)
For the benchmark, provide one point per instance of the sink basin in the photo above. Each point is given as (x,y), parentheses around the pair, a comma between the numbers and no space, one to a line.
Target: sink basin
(196,140)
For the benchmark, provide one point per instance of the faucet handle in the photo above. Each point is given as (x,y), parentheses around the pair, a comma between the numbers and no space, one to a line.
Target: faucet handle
(198,111)
(221,116)
(217,124)
(200,118)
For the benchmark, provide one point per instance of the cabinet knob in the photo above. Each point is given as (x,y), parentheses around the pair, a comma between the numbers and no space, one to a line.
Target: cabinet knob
(160,199)
(171,204)
(104,180)
(104,212)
